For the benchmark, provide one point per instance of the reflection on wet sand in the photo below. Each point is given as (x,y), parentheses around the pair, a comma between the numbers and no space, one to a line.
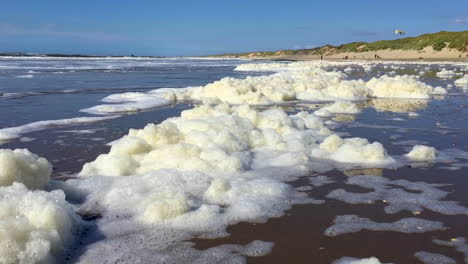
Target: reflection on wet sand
(372,171)
(398,105)
(342,118)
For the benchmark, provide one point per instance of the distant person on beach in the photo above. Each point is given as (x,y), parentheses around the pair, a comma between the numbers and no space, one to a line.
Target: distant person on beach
(321,57)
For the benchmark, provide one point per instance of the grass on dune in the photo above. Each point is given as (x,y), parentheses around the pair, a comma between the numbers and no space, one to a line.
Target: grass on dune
(438,41)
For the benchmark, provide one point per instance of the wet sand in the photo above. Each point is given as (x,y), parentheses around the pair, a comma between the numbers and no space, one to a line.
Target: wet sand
(299,237)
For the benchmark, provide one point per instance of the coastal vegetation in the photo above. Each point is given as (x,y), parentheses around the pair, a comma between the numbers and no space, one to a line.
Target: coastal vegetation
(438,41)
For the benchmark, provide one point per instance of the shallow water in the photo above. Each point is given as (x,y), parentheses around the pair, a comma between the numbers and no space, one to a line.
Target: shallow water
(298,236)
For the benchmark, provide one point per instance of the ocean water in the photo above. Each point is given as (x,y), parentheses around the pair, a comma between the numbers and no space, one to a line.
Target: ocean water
(281,207)
(40,88)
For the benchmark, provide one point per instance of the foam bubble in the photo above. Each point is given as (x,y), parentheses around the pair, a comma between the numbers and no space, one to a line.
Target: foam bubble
(36,225)
(422,153)
(444,74)
(20,165)
(342,107)
(353,150)
(403,86)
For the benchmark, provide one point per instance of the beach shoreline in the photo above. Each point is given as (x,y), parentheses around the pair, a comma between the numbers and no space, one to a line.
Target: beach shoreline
(426,54)
(314,58)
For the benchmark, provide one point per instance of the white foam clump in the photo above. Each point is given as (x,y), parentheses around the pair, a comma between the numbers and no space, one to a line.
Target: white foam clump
(35,225)
(309,83)
(313,84)
(349,260)
(422,153)
(163,208)
(368,68)
(444,73)
(353,150)
(276,67)
(396,197)
(463,81)
(211,167)
(135,101)
(194,201)
(20,165)
(293,81)
(403,86)
(230,139)
(213,138)
(167,207)
(16,132)
(344,224)
(341,107)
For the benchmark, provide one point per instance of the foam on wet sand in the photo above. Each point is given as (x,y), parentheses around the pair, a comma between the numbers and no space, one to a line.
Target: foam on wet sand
(135,101)
(10,133)
(344,224)
(216,165)
(349,260)
(433,258)
(396,197)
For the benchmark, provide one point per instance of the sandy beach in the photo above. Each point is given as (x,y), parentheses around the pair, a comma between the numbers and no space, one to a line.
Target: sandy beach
(426,54)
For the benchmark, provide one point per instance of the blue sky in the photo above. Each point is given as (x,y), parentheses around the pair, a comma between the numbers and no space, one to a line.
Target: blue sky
(198,27)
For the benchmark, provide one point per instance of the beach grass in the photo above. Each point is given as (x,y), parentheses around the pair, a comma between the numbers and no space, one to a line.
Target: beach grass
(438,41)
